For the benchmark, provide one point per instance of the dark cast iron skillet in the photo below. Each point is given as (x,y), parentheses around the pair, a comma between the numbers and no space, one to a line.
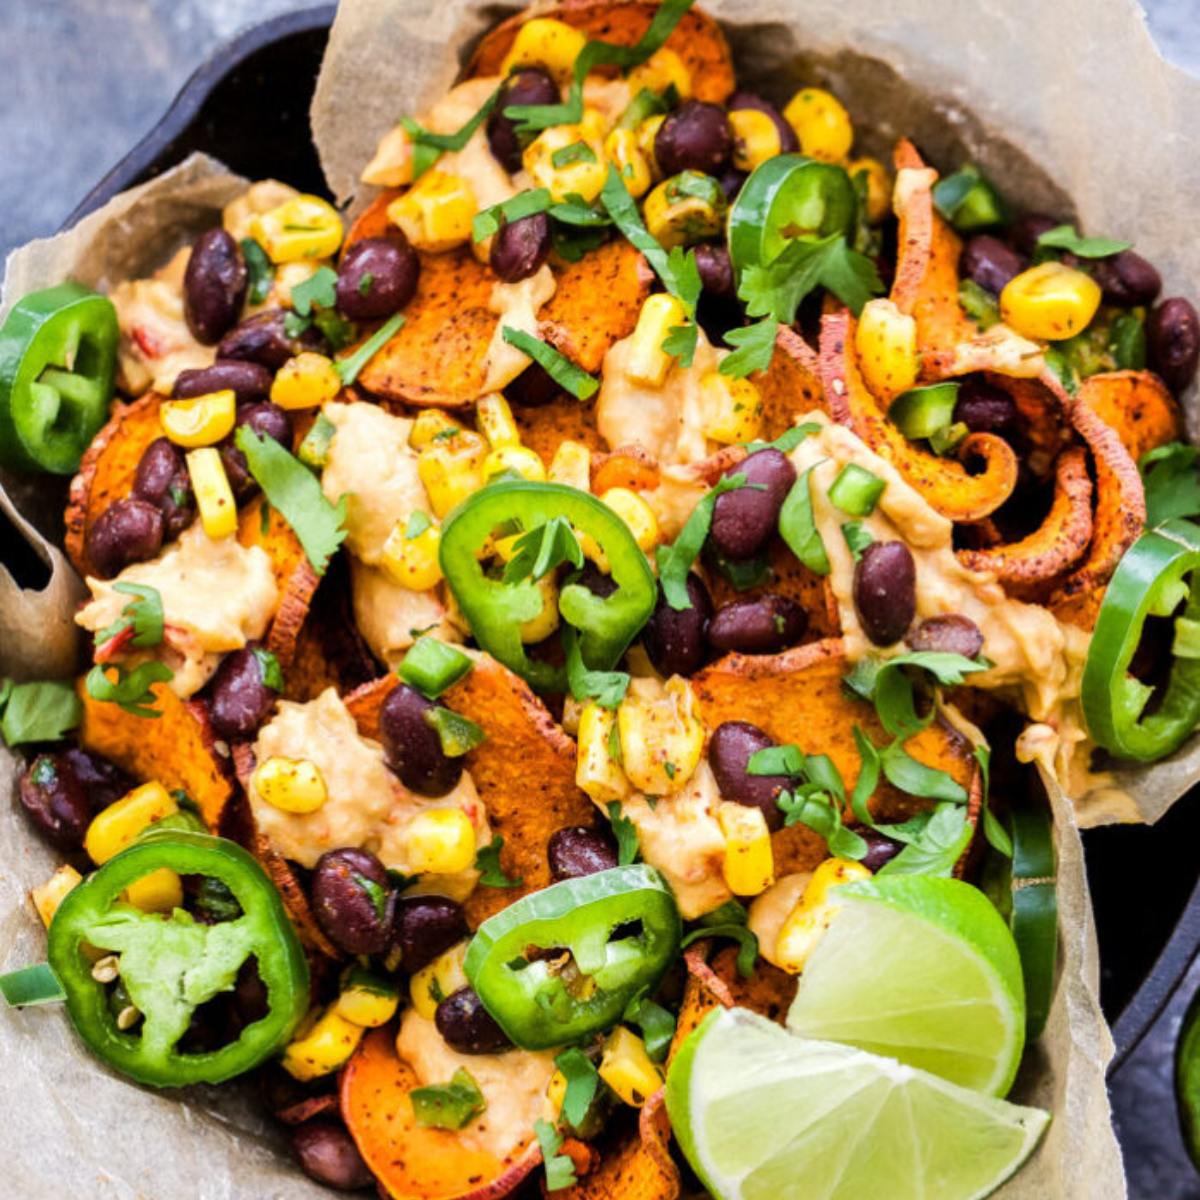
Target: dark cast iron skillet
(248,106)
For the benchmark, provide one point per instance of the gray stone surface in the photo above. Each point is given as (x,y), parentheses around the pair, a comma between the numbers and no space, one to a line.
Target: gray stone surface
(85,79)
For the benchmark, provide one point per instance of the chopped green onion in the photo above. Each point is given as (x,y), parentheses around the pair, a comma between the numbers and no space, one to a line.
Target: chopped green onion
(922,411)
(31,985)
(431,666)
(856,490)
(523,204)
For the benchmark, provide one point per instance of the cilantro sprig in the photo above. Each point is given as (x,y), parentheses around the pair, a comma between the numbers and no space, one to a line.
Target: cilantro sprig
(582,1082)
(487,862)
(755,347)
(38,711)
(776,288)
(560,1169)
(143,614)
(130,689)
(562,370)
(625,832)
(1172,482)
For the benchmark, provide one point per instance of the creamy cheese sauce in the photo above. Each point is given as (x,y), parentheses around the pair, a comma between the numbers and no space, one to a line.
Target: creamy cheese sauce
(257,199)
(391,617)
(517,306)
(216,596)
(475,162)
(769,911)
(513,1084)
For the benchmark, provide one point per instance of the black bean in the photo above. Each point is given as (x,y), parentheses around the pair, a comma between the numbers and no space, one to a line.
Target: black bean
(990,262)
(247,380)
(326,1153)
(985,408)
(730,749)
(716,269)
(674,640)
(467,1026)
(127,531)
(412,746)
(263,339)
(527,85)
(763,625)
(744,519)
(103,782)
(1173,342)
(520,247)
(1025,231)
(595,580)
(240,699)
(1127,279)
(377,277)
(353,900)
(162,479)
(265,419)
(885,591)
(880,849)
(425,927)
(950,634)
(55,801)
(580,850)
(788,143)
(695,137)
(532,388)
(214,286)
(731,182)
(250,999)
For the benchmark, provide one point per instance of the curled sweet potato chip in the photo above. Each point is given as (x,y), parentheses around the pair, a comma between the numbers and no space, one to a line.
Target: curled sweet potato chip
(790,386)
(412,1161)
(524,771)
(697,39)
(944,482)
(1137,406)
(912,202)
(1041,417)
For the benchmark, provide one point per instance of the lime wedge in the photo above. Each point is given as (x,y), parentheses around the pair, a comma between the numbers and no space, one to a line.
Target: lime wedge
(920,969)
(764,1115)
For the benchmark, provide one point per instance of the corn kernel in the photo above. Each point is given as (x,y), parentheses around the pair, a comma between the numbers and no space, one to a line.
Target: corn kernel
(545,42)
(571,465)
(556,1092)
(303,227)
(879,187)
(429,986)
(733,409)
(597,773)
(821,123)
(439,841)
(115,827)
(686,208)
(48,896)
(538,628)
(647,131)
(636,513)
(1050,301)
(214,497)
(367,1000)
(755,138)
(436,212)
(202,421)
(648,363)
(663,69)
(322,1047)
(413,561)
(392,165)
(584,173)
(808,921)
(293,785)
(886,341)
(159,892)
(451,468)
(428,424)
(661,737)
(306,381)
(494,418)
(749,866)
(525,462)
(628,1069)
(622,150)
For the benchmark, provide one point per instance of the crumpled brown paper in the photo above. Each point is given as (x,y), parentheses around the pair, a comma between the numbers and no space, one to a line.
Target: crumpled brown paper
(1076,87)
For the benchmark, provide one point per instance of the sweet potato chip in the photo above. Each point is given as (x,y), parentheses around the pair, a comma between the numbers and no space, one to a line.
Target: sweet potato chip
(411,1161)
(697,39)
(912,202)
(944,482)
(1137,406)
(1041,418)
(790,386)
(547,426)
(524,771)
(633,1164)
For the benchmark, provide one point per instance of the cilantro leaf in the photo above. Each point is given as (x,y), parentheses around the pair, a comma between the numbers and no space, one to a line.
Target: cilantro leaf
(798,528)
(349,367)
(131,689)
(574,210)
(143,614)
(562,370)
(938,846)
(272,672)
(755,348)
(43,711)
(997,836)
(858,538)
(814,807)
(448,1105)
(656,1023)
(626,834)
(1064,237)
(427,145)
(680,343)
(1172,482)
(740,933)
(778,287)
(320,288)
(523,204)
(893,691)
(607,688)
(582,1081)
(560,1169)
(487,862)
(776,760)
(915,778)
(543,548)
(260,272)
(788,440)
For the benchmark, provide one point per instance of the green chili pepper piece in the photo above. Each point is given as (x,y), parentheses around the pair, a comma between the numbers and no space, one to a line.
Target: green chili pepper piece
(923,411)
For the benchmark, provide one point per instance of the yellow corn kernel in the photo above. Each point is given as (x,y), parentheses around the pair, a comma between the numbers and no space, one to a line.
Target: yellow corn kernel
(440,841)
(1050,301)
(427,425)
(571,465)
(597,773)
(214,497)
(545,42)
(686,208)
(661,737)
(159,892)
(525,462)
(494,418)
(293,785)
(622,150)
(392,165)
(810,918)
(628,1069)
(662,69)
(436,212)
(413,561)
(367,1001)
(540,627)
(749,866)
(306,381)
(451,468)
(48,896)
(568,158)
(733,409)
(303,227)
(636,513)
(886,341)
(556,1092)
(755,138)
(879,187)
(202,421)
(821,123)
(647,131)
(322,1047)
(648,362)
(115,827)
(429,986)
